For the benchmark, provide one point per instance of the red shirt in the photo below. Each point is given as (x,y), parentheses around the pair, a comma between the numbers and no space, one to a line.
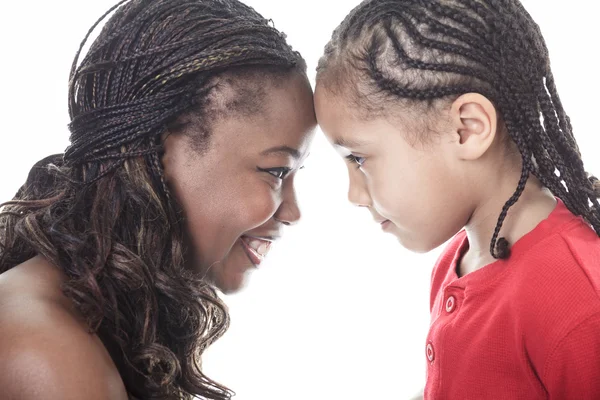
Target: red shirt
(523,328)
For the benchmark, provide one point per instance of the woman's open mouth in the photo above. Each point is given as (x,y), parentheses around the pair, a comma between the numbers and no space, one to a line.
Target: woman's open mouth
(256,248)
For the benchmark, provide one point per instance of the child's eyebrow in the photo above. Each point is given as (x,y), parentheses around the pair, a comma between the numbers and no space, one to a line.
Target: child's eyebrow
(349,143)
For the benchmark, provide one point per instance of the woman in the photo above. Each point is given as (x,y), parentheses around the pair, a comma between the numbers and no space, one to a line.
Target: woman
(189,121)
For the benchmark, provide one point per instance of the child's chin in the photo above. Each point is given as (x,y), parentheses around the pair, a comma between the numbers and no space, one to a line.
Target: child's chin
(410,243)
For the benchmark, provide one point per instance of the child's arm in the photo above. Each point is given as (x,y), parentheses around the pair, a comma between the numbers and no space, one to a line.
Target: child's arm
(572,370)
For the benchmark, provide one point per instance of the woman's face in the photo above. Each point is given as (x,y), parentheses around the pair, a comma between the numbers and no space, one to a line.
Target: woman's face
(238,193)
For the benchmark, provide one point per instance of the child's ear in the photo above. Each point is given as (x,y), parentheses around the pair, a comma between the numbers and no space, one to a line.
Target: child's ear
(474,121)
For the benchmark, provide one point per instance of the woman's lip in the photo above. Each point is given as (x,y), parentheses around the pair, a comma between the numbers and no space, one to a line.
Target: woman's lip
(255,258)
(385,224)
(265,238)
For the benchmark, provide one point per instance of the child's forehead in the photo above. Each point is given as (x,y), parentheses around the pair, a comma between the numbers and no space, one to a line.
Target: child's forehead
(352,141)
(348,115)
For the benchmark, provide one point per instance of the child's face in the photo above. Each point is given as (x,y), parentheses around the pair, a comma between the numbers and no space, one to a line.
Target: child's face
(421,190)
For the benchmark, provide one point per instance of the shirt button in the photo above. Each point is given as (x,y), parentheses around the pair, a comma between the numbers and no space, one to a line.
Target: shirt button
(450,304)
(430,353)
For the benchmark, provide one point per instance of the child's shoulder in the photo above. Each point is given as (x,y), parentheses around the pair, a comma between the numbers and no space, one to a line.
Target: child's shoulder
(584,250)
(554,289)
(566,261)
(555,284)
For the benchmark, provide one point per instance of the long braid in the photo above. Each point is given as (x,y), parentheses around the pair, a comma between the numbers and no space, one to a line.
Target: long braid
(103,213)
(421,50)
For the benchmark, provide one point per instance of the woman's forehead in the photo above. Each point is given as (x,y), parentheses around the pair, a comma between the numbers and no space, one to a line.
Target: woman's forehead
(285,118)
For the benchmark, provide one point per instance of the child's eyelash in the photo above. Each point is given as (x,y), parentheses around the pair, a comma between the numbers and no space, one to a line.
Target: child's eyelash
(359,161)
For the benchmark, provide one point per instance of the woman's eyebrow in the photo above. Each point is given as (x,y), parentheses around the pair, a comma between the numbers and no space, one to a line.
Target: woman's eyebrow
(282,149)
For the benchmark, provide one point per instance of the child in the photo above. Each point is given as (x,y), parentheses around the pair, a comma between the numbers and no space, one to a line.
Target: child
(449,118)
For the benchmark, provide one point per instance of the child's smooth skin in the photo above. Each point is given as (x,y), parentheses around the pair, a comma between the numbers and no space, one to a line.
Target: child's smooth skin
(427,192)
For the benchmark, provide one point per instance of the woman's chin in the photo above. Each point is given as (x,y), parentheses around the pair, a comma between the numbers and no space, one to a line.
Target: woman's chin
(233,281)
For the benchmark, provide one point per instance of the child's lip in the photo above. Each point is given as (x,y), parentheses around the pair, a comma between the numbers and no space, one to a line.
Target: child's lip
(385,224)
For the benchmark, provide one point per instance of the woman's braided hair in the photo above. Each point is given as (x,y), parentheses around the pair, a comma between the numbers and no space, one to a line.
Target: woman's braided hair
(102,211)
(421,51)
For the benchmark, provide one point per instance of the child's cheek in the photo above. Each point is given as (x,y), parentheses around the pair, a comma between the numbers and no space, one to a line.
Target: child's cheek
(388,192)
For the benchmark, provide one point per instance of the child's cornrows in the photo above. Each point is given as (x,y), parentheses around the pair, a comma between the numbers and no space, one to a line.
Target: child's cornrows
(422,50)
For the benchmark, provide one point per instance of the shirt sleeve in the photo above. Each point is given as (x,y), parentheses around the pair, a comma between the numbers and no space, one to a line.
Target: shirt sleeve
(573,369)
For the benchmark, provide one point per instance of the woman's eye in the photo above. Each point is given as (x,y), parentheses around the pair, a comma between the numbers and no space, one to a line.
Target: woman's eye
(279,173)
(359,161)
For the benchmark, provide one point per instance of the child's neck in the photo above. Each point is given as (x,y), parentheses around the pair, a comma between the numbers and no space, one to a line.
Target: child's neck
(534,205)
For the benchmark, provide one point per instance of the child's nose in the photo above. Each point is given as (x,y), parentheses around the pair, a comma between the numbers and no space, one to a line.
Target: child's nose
(358,194)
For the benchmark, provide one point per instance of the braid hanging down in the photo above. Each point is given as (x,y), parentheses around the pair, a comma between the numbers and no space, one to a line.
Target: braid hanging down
(102,211)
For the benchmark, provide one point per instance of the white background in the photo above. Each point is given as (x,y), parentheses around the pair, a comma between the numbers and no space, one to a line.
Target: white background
(339,311)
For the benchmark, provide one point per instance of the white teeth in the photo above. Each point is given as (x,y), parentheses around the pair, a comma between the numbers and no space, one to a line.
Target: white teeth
(260,246)
(263,249)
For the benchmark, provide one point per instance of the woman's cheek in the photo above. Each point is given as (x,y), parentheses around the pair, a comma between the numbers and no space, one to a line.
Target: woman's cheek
(259,205)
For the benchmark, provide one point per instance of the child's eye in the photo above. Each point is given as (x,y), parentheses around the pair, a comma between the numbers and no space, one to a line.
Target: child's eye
(359,161)
(279,173)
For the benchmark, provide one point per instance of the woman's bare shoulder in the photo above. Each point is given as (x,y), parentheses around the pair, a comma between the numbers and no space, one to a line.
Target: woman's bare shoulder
(46,351)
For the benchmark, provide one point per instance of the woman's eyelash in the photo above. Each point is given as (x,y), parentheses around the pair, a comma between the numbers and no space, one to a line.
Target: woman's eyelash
(359,161)
(279,173)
